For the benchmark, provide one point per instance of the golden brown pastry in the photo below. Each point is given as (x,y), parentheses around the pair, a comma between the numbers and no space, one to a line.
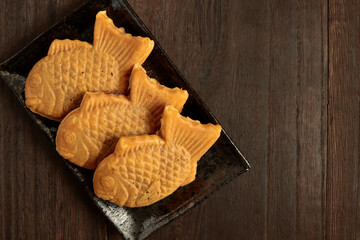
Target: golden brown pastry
(58,82)
(145,169)
(89,133)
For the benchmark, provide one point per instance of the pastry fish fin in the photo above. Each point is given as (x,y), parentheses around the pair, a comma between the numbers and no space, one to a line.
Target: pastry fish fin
(195,137)
(101,99)
(149,93)
(151,194)
(126,48)
(66,45)
(131,143)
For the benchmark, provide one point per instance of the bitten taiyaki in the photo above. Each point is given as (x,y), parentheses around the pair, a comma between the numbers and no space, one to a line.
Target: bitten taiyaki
(57,83)
(145,169)
(89,133)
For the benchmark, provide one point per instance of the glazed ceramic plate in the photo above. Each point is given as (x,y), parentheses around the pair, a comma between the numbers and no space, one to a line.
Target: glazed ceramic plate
(222,163)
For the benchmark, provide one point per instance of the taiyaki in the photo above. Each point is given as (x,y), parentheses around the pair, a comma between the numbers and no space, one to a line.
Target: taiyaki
(145,169)
(89,133)
(57,83)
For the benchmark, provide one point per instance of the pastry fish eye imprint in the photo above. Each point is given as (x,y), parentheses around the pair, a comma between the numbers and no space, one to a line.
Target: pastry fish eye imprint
(109,186)
(69,147)
(35,94)
(35,80)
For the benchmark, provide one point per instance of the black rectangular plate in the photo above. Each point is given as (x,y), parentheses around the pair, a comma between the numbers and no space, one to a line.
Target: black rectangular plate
(222,163)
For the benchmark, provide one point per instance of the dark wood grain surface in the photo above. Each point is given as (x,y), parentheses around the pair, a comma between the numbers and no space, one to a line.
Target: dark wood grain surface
(282,77)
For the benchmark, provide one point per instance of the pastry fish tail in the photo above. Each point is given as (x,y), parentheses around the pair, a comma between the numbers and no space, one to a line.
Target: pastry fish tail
(195,137)
(149,93)
(127,49)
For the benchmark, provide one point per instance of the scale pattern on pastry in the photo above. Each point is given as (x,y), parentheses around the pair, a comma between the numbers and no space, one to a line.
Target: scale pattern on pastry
(88,134)
(57,83)
(145,169)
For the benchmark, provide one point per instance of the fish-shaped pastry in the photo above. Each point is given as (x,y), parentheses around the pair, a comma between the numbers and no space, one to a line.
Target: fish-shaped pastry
(57,83)
(90,132)
(145,169)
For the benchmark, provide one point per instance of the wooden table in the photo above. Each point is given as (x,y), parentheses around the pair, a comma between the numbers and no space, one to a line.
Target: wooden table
(282,77)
